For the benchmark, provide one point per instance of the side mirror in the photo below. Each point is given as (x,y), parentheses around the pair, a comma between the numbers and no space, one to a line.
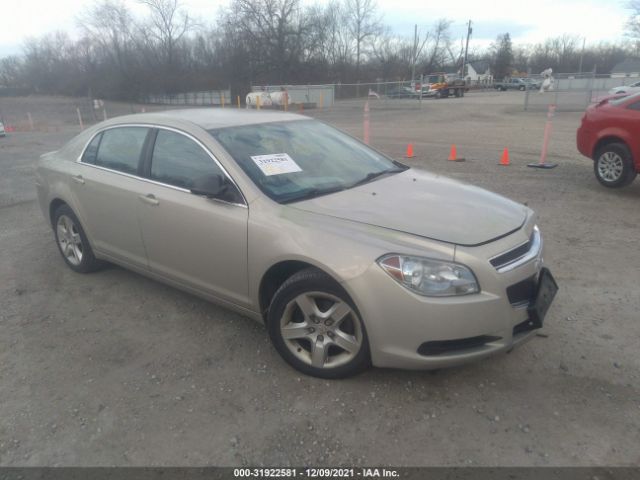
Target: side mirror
(210,186)
(216,186)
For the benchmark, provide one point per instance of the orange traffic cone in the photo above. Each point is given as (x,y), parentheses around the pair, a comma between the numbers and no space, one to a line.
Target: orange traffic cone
(409,151)
(504,161)
(453,155)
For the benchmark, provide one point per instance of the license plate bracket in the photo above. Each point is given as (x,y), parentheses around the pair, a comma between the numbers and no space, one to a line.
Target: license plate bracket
(546,290)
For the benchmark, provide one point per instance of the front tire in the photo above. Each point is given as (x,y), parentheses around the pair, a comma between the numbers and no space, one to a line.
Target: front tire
(316,327)
(72,242)
(613,165)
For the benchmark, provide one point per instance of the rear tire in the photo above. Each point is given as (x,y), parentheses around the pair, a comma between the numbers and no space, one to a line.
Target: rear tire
(72,242)
(316,328)
(613,165)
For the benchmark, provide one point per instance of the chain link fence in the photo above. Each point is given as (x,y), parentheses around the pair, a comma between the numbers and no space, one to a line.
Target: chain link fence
(573,92)
(207,97)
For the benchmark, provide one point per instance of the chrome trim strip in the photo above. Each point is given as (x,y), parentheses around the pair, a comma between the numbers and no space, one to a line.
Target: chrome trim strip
(534,252)
(136,177)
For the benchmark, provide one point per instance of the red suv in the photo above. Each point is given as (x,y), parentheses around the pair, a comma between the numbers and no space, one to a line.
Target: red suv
(610,135)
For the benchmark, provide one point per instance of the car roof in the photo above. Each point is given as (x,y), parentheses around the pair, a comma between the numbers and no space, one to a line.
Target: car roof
(210,118)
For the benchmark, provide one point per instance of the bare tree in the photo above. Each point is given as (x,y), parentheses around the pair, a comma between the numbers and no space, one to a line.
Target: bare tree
(109,25)
(633,23)
(260,41)
(169,22)
(437,46)
(276,31)
(364,24)
(11,69)
(393,56)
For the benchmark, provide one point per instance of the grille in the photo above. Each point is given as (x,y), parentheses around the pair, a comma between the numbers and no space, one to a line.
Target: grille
(445,346)
(512,255)
(519,255)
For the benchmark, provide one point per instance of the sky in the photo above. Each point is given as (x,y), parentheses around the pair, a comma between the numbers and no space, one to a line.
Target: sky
(526,21)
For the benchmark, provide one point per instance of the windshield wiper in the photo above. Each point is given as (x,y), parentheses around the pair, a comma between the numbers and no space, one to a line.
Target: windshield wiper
(370,176)
(311,193)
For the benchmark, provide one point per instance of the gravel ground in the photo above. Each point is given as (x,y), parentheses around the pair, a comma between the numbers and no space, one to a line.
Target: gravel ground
(115,369)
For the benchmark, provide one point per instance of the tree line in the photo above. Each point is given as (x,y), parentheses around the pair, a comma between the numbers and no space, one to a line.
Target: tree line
(255,42)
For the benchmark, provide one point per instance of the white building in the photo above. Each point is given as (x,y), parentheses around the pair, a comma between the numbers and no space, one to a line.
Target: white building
(479,73)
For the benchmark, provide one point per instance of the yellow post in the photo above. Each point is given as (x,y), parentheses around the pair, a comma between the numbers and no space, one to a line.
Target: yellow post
(320,103)
(286,101)
(222,99)
(258,102)
(238,101)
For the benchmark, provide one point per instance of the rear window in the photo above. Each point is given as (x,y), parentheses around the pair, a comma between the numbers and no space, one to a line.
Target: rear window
(91,151)
(120,149)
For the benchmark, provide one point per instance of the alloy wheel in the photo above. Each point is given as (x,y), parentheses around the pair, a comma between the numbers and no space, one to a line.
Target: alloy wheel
(69,240)
(321,330)
(610,166)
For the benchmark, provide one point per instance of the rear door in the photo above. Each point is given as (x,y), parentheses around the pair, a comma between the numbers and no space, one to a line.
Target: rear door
(198,242)
(106,185)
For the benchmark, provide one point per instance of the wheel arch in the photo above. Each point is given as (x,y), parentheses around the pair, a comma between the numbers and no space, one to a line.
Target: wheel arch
(277,274)
(53,206)
(608,138)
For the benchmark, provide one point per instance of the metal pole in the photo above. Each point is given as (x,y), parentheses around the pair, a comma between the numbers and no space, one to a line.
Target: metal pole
(415,54)
(466,50)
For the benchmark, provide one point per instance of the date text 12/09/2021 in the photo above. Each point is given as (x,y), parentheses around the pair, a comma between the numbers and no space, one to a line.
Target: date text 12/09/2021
(315,472)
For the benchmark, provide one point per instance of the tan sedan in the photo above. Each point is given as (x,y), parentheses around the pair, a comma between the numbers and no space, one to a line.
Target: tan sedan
(348,257)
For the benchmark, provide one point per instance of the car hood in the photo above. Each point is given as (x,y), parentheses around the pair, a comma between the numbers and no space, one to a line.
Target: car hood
(424,204)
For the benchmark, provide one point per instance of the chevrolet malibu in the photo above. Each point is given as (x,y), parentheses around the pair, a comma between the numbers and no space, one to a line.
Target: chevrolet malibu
(348,257)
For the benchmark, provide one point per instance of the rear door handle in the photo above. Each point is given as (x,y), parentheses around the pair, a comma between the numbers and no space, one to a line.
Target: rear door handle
(149,199)
(78,179)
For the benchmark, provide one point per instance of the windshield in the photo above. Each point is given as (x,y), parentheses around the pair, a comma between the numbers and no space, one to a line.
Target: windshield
(292,161)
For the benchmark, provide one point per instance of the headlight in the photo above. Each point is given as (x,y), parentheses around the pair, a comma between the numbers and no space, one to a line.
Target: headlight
(432,278)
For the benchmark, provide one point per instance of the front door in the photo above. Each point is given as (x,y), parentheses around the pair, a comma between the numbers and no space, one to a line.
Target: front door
(196,241)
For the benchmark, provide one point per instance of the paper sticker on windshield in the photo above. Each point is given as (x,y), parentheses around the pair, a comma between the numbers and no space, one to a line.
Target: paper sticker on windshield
(276,164)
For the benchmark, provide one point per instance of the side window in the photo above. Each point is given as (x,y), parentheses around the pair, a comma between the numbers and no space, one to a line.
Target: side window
(120,149)
(634,106)
(90,153)
(179,161)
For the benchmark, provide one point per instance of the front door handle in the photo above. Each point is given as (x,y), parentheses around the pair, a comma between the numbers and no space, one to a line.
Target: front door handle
(149,199)
(78,179)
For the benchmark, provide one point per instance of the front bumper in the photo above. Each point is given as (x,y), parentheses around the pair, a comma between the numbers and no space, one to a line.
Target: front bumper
(403,326)
(584,141)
